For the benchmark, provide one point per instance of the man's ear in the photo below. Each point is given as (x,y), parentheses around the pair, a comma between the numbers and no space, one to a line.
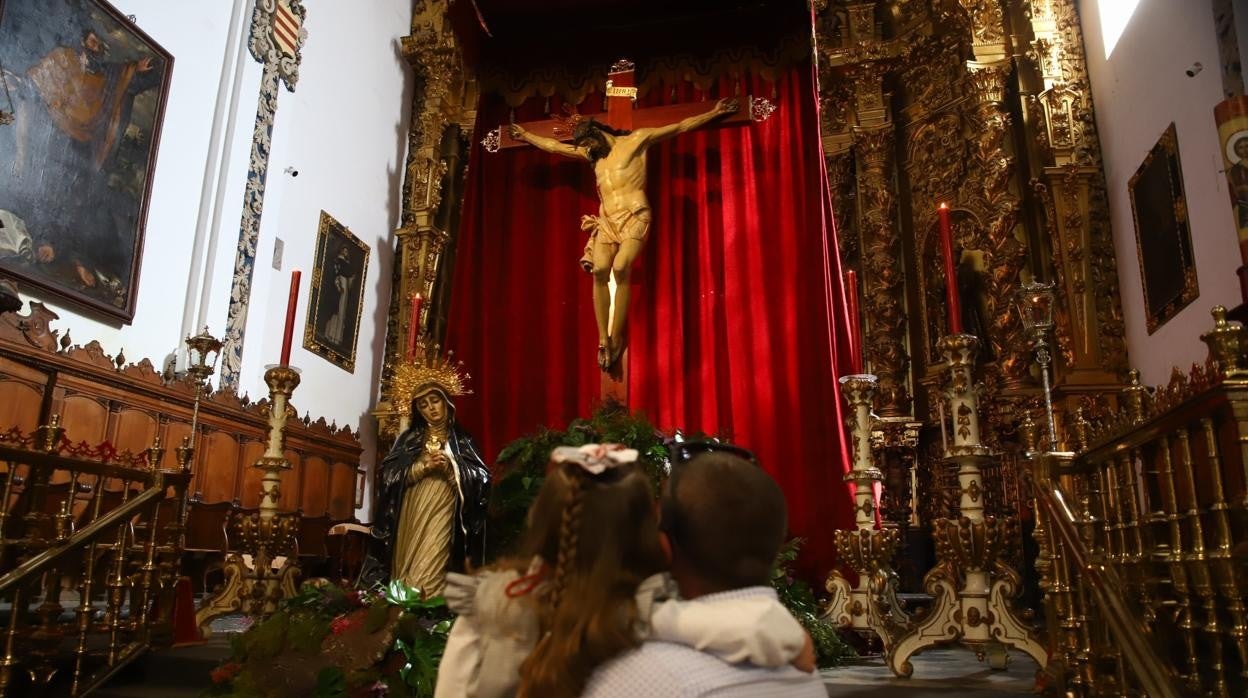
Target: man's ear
(665,544)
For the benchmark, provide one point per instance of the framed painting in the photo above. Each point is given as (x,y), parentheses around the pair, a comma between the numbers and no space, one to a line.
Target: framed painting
(336,302)
(1163,237)
(85,90)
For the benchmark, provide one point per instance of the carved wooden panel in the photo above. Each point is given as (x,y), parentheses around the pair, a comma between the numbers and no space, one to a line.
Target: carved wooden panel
(252,450)
(87,415)
(290,478)
(99,398)
(218,481)
(21,394)
(341,491)
(314,499)
(134,430)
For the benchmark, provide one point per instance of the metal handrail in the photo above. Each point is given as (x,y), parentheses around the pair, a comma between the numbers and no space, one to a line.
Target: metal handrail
(80,539)
(1155,676)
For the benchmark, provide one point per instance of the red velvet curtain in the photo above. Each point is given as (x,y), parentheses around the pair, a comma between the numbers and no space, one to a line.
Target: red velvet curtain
(729,329)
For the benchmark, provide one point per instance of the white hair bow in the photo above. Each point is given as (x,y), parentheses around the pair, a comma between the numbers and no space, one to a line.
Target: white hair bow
(595,458)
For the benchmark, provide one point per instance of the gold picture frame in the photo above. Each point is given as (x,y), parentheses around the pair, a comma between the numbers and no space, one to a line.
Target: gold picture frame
(1163,235)
(86,90)
(336,299)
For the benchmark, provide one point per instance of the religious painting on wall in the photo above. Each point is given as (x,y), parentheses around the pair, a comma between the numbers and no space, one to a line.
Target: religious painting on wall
(1231,116)
(86,91)
(1163,237)
(336,302)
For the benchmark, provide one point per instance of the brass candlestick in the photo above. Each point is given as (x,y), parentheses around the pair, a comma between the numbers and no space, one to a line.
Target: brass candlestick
(869,607)
(263,568)
(971,585)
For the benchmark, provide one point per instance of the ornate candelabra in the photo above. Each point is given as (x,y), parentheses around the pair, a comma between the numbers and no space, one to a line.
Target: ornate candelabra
(202,350)
(869,607)
(1035,306)
(971,586)
(263,567)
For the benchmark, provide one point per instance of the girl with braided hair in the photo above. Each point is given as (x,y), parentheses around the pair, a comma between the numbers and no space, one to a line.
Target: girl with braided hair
(588,584)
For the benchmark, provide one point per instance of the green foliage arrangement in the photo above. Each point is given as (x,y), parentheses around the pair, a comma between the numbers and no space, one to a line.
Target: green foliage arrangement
(328,641)
(525,461)
(830,649)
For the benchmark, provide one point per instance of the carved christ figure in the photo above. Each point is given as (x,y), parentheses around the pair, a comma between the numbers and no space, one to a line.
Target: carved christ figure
(618,232)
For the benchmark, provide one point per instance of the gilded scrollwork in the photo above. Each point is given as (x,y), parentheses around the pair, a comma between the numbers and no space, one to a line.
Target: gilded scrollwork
(841,186)
(884,279)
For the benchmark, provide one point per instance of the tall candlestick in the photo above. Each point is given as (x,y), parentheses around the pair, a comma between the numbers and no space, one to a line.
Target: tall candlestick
(291,304)
(855,321)
(413,325)
(951,272)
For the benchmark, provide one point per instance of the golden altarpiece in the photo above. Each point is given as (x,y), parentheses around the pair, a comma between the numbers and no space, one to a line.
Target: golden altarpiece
(1135,540)
(983,104)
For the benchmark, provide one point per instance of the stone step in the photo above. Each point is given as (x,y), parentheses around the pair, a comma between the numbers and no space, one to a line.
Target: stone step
(174,672)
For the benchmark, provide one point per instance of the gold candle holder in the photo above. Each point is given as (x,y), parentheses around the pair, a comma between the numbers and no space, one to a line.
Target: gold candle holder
(263,568)
(971,585)
(869,607)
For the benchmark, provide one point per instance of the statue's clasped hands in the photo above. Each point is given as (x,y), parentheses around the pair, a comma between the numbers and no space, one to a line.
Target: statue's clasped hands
(440,465)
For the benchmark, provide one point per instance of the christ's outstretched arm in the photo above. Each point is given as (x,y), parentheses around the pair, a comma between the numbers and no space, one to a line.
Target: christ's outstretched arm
(550,145)
(662,133)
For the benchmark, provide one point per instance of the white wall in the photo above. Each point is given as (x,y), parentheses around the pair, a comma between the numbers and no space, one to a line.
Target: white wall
(344,129)
(1139,91)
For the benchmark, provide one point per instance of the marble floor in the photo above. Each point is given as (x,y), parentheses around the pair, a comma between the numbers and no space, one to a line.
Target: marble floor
(939,672)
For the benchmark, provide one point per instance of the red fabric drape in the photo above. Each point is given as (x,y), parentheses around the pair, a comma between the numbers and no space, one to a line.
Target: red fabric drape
(729,326)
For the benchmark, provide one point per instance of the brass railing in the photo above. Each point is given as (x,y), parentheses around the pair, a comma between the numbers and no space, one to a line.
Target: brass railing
(1144,536)
(100,529)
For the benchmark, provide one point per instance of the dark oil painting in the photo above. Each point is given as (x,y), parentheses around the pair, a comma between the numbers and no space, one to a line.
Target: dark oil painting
(1163,236)
(336,299)
(86,91)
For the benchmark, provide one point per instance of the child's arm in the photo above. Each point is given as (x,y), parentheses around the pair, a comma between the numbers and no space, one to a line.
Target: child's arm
(757,630)
(461,661)
(490,639)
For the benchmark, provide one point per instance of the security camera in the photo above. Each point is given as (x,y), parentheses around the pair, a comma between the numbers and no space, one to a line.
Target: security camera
(291,171)
(1194,70)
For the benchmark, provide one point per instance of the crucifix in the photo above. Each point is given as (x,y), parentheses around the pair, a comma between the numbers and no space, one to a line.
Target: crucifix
(616,146)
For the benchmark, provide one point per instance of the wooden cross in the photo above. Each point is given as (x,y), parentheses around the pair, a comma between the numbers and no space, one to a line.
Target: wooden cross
(621,93)
(621,113)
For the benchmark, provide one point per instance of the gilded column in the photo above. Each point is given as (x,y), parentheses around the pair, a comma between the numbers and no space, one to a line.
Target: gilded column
(883,275)
(1068,178)
(442,101)
(990,194)
(859,58)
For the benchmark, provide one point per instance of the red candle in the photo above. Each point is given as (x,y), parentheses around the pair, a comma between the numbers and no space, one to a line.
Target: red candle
(951,272)
(413,325)
(855,321)
(289,333)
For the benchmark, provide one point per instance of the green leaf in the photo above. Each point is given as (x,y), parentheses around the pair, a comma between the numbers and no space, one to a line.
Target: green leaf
(330,683)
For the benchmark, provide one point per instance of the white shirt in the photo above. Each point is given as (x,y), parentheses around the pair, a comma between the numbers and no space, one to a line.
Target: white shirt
(666,670)
(494,633)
